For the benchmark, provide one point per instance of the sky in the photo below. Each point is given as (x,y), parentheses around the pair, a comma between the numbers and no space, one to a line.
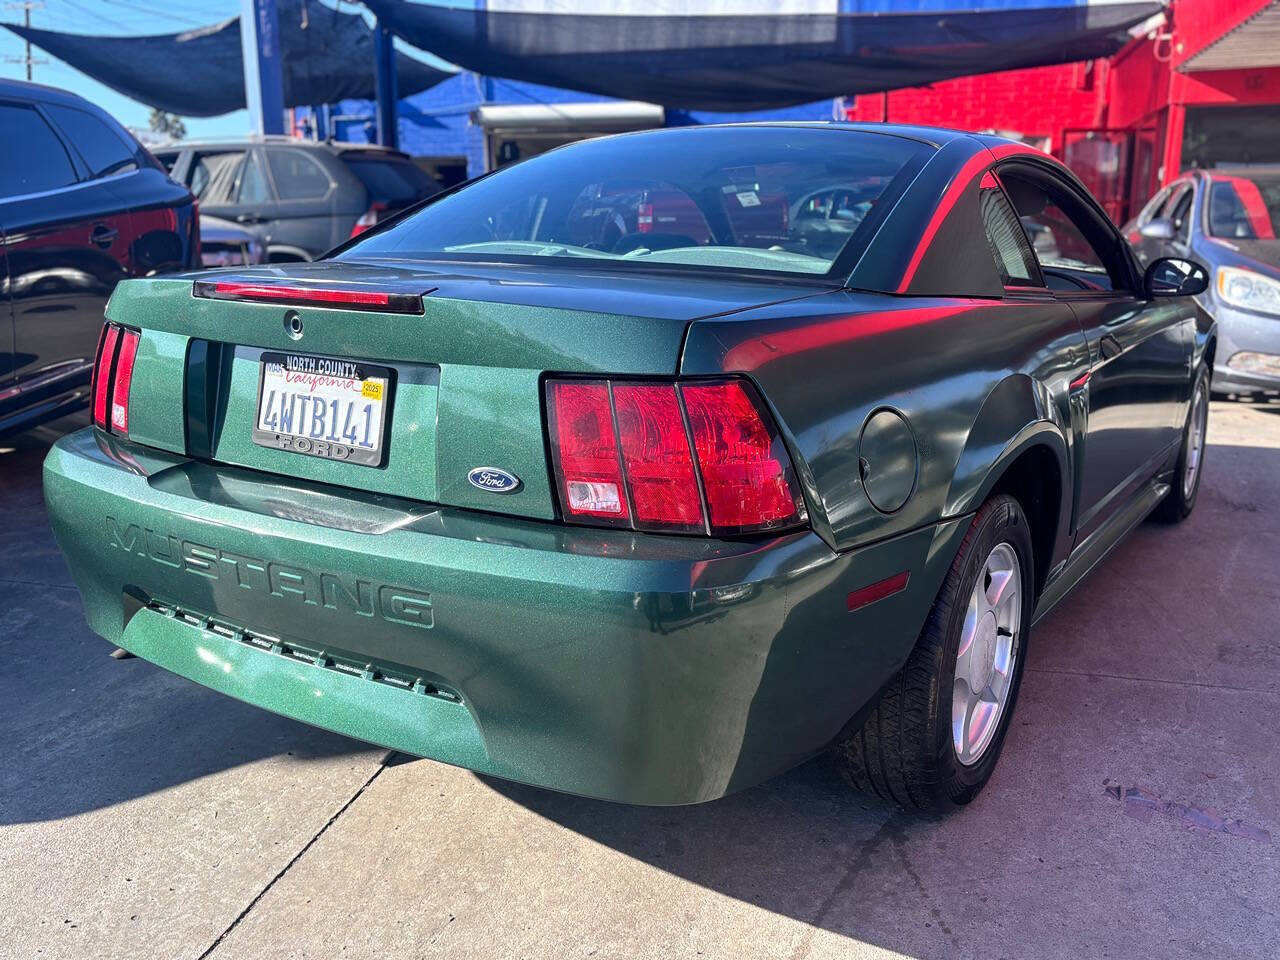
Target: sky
(116,18)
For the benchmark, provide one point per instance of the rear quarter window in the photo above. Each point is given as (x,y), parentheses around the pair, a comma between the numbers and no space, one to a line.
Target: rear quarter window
(104,149)
(391,181)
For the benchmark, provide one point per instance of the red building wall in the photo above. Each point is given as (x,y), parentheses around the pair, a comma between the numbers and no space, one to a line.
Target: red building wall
(1119,121)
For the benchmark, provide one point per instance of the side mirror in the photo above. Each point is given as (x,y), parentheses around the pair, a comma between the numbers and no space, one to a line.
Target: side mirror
(1161,228)
(1174,277)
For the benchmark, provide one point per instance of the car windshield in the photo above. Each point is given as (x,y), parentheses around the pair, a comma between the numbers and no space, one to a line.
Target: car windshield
(765,198)
(1244,206)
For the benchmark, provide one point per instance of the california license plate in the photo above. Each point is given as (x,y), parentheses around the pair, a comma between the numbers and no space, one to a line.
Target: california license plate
(323,407)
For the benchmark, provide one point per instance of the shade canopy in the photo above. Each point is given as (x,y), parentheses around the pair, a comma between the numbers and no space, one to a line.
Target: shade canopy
(327,56)
(734,61)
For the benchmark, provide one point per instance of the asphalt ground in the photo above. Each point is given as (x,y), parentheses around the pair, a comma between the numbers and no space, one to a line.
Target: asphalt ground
(1135,812)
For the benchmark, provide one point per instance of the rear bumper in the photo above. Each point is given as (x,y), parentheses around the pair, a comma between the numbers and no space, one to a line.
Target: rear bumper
(637,668)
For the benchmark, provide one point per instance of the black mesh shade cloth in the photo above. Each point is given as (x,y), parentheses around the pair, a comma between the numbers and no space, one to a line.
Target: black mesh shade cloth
(767,61)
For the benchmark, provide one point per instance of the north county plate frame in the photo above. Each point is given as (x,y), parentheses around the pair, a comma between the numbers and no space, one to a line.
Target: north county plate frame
(323,449)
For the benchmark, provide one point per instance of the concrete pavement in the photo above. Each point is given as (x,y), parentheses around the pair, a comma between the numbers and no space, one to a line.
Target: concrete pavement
(1135,812)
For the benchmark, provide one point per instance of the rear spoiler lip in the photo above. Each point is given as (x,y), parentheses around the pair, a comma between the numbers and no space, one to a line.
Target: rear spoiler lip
(302,294)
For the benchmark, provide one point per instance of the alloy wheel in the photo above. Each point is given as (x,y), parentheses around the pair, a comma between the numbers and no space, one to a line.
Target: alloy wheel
(1197,425)
(987,654)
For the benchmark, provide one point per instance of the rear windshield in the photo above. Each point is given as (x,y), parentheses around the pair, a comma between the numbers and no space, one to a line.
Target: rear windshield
(392,182)
(1246,207)
(783,199)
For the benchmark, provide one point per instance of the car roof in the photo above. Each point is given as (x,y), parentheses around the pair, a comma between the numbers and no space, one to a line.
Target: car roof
(1238,169)
(241,143)
(21,89)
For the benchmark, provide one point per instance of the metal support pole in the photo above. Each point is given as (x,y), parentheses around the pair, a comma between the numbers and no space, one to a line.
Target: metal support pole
(385,85)
(263,79)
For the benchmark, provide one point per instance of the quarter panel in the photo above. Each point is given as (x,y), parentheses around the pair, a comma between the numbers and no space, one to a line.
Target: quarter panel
(968,375)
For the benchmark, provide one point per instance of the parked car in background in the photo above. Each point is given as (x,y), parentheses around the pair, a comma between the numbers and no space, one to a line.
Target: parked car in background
(648,524)
(1229,220)
(82,206)
(226,244)
(298,198)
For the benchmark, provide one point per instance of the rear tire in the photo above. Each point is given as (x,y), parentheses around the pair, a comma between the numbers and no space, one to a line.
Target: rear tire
(1181,499)
(916,748)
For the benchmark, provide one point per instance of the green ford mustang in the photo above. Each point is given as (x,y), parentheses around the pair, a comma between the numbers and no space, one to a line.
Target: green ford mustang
(650,467)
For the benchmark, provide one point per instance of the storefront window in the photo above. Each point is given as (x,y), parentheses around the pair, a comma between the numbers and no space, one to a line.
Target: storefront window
(1214,136)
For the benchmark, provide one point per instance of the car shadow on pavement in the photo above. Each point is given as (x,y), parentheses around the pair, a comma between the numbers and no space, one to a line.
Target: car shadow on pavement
(82,730)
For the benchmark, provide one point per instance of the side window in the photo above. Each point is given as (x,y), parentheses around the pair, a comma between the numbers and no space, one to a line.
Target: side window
(1181,216)
(41,164)
(104,150)
(213,177)
(297,176)
(253,184)
(1064,235)
(1004,233)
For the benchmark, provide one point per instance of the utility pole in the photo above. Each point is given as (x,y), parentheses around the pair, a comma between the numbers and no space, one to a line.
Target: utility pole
(26,6)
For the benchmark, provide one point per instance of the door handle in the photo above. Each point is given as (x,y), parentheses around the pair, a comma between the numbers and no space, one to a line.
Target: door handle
(249,218)
(103,236)
(1109,347)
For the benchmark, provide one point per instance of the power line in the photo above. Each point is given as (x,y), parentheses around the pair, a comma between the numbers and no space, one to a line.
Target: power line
(155,12)
(94,13)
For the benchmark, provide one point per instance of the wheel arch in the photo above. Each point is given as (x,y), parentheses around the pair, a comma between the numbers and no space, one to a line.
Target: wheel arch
(283,253)
(1016,447)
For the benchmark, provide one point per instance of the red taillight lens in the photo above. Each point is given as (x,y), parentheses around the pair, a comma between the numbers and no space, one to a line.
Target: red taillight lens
(586,451)
(113,377)
(102,372)
(123,381)
(696,457)
(745,467)
(644,218)
(655,452)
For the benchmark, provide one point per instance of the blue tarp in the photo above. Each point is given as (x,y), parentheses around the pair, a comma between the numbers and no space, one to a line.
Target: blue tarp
(327,56)
(437,122)
(758,61)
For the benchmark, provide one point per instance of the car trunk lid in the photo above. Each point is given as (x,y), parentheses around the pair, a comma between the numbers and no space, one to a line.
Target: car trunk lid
(465,373)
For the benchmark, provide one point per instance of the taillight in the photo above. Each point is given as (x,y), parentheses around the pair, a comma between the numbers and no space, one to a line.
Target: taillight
(695,457)
(644,218)
(745,468)
(113,377)
(102,372)
(585,448)
(369,219)
(656,457)
(123,381)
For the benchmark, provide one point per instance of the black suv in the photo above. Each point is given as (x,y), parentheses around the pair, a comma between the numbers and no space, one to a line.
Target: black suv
(300,198)
(82,205)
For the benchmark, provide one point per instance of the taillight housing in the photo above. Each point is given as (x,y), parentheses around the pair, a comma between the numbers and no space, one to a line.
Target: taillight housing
(696,456)
(113,377)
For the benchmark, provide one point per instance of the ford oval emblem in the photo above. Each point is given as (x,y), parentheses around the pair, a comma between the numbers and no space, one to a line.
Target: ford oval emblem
(494,480)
